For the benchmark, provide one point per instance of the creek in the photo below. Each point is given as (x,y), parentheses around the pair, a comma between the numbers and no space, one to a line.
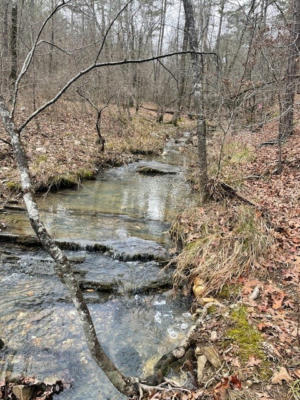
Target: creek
(115,230)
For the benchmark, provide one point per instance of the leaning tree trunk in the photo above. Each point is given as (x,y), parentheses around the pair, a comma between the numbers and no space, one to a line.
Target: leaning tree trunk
(125,385)
(198,97)
(286,124)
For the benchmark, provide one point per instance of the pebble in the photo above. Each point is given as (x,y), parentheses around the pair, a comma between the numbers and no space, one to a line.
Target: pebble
(213,336)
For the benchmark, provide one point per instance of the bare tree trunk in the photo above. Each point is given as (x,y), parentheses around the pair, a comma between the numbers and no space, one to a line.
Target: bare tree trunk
(125,385)
(286,125)
(51,41)
(13,42)
(182,77)
(5,29)
(221,12)
(198,98)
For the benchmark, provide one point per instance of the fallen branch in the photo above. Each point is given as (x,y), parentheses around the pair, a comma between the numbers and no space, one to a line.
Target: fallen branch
(233,193)
(155,110)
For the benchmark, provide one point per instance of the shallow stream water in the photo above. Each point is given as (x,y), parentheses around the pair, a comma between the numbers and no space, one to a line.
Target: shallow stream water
(132,213)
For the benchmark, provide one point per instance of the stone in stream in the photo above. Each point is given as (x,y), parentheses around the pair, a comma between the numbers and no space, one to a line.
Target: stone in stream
(156,168)
(136,249)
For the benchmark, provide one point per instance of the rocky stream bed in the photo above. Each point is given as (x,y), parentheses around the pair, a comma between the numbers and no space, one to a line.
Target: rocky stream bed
(115,232)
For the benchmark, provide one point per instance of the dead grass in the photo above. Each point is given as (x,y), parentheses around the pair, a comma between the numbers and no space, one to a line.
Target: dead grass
(235,154)
(221,242)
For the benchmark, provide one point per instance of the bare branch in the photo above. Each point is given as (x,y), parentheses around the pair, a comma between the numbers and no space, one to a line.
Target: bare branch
(55,46)
(30,55)
(5,141)
(109,28)
(100,65)
(169,71)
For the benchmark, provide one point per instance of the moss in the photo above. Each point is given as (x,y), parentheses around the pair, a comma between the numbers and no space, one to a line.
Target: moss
(13,186)
(228,291)
(83,173)
(41,159)
(249,340)
(64,181)
(245,335)
(212,309)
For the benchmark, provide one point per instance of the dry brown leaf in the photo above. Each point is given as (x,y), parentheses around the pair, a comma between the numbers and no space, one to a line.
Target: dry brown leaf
(280,376)
(297,373)
(253,361)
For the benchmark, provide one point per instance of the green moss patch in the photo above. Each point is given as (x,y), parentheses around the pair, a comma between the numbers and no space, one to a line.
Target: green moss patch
(249,340)
(87,174)
(14,186)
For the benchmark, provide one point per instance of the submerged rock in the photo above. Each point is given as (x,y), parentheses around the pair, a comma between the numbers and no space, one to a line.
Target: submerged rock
(156,168)
(129,360)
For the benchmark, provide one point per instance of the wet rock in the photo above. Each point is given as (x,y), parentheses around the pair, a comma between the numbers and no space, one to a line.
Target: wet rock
(98,285)
(136,249)
(77,259)
(23,392)
(129,360)
(156,168)
(154,284)
(129,249)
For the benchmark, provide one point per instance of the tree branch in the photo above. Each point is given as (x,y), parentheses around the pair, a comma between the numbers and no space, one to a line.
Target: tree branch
(100,65)
(5,141)
(30,55)
(109,28)
(54,45)
(169,71)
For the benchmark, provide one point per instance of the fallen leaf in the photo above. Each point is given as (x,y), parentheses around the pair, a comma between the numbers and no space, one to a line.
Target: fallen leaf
(280,376)
(297,373)
(253,361)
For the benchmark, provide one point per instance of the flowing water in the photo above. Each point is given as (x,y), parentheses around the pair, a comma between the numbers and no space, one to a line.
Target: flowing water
(130,212)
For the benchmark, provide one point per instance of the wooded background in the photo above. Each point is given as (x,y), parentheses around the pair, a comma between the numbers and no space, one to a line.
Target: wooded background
(251,39)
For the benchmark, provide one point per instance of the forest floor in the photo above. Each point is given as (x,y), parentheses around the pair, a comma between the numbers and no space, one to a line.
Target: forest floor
(62,149)
(241,261)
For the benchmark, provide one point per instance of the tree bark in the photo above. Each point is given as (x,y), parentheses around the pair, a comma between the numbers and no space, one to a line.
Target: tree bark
(5,28)
(198,98)
(13,42)
(182,72)
(125,385)
(286,124)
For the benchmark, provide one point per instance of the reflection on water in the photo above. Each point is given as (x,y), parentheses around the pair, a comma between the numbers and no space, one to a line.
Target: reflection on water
(43,335)
(120,204)
(38,323)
